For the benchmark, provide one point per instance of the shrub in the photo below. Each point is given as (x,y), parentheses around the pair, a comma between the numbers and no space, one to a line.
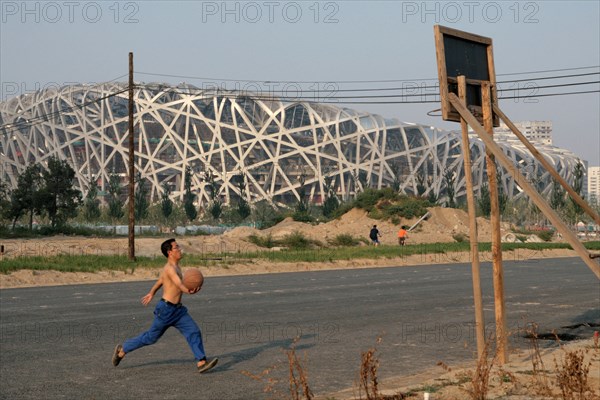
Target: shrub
(546,236)
(263,241)
(370,197)
(302,216)
(521,238)
(459,237)
(386,204)
(342,209)
(345,239)
(297,241)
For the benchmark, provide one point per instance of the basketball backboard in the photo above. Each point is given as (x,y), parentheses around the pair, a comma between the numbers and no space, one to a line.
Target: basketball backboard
(462,53)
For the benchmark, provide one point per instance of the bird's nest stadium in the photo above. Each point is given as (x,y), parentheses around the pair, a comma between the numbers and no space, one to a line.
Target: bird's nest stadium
(285,149)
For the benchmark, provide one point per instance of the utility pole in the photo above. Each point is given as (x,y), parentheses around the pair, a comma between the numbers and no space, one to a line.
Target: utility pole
(131,166)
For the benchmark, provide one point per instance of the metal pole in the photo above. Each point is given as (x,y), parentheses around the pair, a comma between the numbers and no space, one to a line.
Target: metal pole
(131,165)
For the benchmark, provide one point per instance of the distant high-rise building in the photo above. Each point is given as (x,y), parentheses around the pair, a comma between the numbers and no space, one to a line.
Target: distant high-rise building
(593,184)
(534,131)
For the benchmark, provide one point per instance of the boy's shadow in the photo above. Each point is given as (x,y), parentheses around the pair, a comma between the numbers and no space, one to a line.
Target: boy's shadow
(228,360)
(236,357)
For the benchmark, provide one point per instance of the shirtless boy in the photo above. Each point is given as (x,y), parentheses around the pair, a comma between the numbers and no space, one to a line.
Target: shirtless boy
(169,312)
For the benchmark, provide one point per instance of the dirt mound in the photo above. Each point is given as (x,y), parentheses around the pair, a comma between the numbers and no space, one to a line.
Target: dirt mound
(445,223)
(289,226)
(440,226)
(241,232)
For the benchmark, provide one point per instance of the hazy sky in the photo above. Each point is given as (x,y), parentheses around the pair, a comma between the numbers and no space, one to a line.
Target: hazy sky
(299,47)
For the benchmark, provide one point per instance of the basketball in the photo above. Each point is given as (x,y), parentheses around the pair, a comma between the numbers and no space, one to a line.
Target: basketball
(192,278)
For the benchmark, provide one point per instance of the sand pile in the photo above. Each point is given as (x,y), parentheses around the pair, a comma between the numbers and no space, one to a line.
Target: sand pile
(441,225)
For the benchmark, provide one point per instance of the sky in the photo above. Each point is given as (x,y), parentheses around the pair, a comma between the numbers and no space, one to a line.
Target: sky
(316,49)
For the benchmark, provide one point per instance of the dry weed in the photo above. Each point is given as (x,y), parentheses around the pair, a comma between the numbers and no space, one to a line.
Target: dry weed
(480,378)
(267,379)
(298,378)
(572,376)
(367,380)
(508,380)
(541,384)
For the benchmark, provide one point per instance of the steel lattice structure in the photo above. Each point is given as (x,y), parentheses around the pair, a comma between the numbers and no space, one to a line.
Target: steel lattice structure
(276,144)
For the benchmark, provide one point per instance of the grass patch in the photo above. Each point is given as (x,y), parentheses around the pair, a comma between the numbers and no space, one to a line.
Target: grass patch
(78,263)
(295,240)
(95,263)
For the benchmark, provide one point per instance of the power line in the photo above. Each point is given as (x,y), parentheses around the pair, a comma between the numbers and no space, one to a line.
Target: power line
(550,86)
(190,91)
(347,81)
(548,95)
(11,127)
(325,100)
(550,77)
(404,88)
(550,70)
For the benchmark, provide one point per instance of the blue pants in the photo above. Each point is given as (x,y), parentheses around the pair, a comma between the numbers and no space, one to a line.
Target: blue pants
(166,316)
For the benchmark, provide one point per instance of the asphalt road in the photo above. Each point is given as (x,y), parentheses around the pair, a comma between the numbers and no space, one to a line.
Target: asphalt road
(57,342)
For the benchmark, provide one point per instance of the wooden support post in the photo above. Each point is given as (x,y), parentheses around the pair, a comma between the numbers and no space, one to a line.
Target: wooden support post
(477,299)
(525,185)
(131,166)
(492,173)
(574,195)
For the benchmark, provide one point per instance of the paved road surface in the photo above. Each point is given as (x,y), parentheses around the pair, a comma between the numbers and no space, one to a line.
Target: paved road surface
(56,342)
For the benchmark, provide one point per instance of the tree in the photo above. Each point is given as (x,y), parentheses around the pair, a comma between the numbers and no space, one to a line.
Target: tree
(397,171)
(243,207)
(25,197)
(432,198)
(215,207)
(360,182)
(449,179)
(115,203)
(557,198)
(166,204)
(188,196)
(302,210)
(484,202)
(331,202)
(60,199)
(575,209)
(421,188)
(4,200)
(502,196)
(141,202)
(92,204)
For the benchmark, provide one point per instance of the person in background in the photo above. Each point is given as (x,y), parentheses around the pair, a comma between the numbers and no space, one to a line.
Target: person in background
(402,235)
(374,235)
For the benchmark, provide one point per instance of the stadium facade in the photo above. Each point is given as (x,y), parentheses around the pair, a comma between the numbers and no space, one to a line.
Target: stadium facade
(285,149)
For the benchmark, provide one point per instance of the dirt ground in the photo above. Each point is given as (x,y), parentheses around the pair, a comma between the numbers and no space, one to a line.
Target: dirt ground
(511,382)
(439,227)
(514,380)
